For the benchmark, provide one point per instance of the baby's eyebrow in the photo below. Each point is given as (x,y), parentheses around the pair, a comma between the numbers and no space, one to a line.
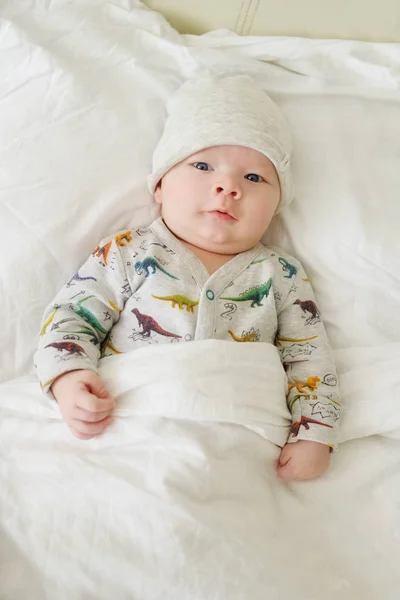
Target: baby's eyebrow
(260,169)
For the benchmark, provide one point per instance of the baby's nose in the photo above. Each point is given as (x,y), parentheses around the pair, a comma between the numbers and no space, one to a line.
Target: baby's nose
(228,187)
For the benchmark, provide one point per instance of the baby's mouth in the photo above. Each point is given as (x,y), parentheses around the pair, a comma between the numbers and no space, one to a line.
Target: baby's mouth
(222,215)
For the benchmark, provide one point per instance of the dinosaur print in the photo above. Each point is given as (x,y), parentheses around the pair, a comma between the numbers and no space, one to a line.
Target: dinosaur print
(72,348)
(149,266)
(48,321)
(121,240)
(114,306)
(89,316)
(247,336)
(102,251)
(311,384)
(256,262)
(77,277)
(286,266)
(309,306)
(148,324)
(254,295)
(179,300)
(300,396)
(279,339)
(109,346)
(305,421)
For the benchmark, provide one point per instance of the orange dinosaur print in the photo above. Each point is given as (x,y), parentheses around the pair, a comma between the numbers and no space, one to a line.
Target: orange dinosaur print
(102,251)
(311,384)
(123,238)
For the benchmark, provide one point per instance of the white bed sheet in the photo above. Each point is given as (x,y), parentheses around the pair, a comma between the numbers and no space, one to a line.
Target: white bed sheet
(180,500)
(83,88)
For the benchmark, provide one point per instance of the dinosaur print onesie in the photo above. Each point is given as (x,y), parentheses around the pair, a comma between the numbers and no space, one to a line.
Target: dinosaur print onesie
(144,287)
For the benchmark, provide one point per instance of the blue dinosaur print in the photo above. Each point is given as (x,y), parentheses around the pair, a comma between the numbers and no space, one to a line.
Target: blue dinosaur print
(286,266)
(149,266)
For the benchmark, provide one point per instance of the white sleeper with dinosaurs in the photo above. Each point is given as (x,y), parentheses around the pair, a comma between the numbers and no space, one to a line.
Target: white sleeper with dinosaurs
(144,287)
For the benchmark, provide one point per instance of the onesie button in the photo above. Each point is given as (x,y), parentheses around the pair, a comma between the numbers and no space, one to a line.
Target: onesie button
(210,294)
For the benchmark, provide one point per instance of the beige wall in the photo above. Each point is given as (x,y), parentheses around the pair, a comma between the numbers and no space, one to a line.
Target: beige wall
(372,20)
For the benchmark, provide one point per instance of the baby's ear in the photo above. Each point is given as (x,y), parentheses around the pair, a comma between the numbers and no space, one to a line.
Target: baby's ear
(158,193)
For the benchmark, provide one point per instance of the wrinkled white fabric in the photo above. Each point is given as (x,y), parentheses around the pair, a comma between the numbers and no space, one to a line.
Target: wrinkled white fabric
(179,499)
(215,111)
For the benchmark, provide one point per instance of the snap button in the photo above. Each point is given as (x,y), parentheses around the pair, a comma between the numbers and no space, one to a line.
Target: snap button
(210,294)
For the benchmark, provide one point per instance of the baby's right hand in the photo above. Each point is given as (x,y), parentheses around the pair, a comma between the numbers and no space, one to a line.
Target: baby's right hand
(84,402)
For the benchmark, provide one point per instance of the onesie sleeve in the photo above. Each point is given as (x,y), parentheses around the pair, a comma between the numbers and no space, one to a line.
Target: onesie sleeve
(75,325)
(313,393)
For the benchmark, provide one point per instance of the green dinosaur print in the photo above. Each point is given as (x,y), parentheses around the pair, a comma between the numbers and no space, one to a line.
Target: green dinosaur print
(254,295)
(256,262)
(286,266)
(179,300)
(89,316)
(150,265)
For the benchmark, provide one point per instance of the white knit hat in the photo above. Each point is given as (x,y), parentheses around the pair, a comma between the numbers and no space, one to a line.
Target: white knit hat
(224,110)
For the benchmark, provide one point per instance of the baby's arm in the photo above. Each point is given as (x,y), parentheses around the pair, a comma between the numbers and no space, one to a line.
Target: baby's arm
(73,328)
(313,395)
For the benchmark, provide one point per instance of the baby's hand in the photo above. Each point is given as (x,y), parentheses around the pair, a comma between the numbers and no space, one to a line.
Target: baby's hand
(84,402)
(303,460)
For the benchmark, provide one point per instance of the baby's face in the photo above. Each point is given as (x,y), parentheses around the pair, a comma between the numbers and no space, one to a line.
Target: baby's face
(220,199)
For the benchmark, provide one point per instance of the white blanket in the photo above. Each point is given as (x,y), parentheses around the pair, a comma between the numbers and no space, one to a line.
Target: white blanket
(179,500)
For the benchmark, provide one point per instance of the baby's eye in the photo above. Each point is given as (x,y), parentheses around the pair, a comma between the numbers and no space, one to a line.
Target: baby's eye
(254,177)
(202,166)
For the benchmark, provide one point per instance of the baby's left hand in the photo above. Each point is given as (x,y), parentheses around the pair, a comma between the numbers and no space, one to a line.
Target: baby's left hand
(303,460)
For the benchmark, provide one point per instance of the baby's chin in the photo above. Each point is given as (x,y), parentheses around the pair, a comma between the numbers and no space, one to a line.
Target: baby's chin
(214,239)
(225,242)
(220,246)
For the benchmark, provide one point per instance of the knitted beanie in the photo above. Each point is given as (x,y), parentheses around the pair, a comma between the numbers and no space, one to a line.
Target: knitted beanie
(224,110)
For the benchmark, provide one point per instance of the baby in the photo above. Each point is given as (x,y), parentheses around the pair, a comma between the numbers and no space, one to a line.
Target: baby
(220,172)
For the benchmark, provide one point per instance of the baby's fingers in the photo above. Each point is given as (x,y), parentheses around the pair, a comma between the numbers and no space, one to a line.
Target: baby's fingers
(85,430)
(91,403)
(90,417)
(286,472)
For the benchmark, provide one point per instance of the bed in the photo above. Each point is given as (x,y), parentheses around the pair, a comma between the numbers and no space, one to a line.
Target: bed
(174,502)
